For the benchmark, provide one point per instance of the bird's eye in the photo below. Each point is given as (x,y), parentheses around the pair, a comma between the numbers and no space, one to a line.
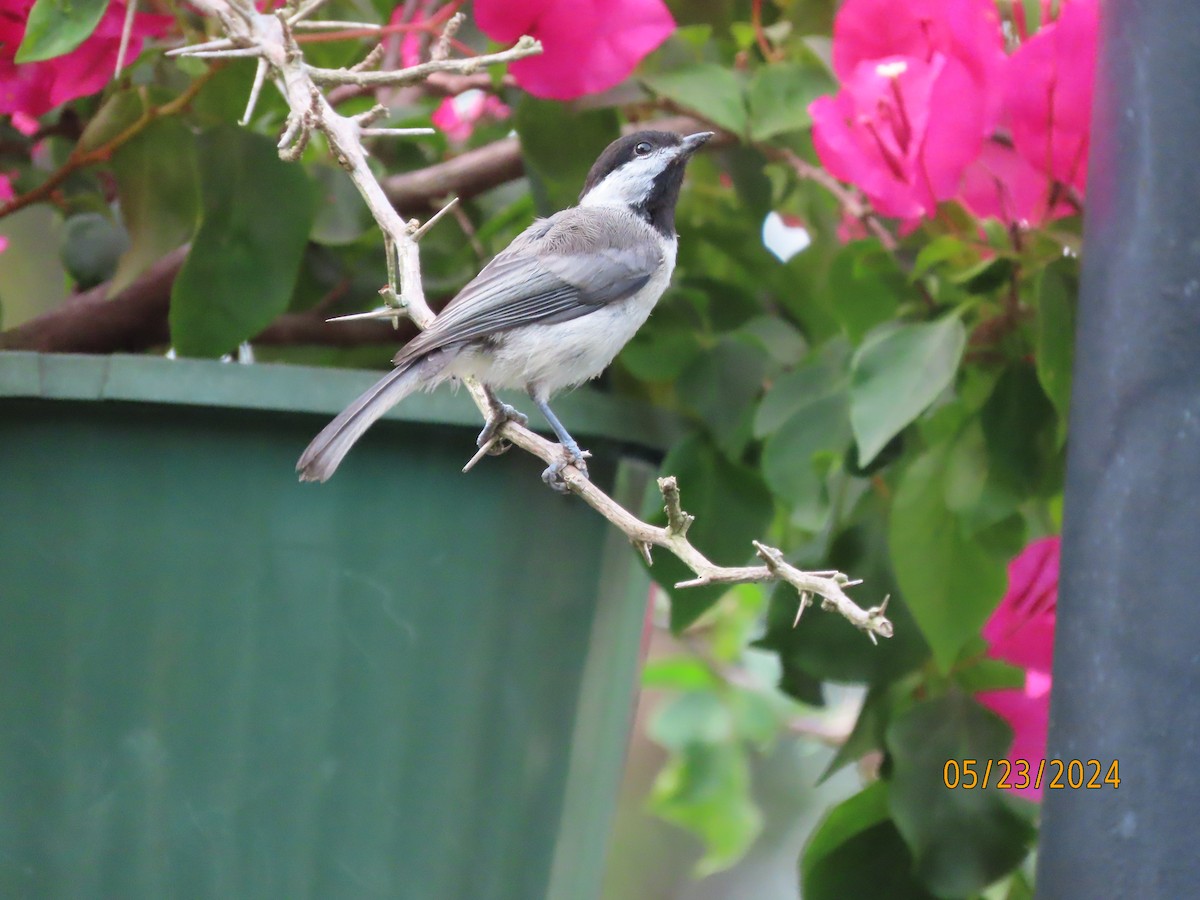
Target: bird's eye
(642,148)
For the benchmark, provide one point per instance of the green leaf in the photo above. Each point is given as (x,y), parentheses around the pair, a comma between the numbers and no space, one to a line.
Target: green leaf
(986,275)
(115,115)
(856,851)
(1018,424)
(811,16)
(782,340)
(92,244)
(789,460)
(56,27)
(696,716)
(943,248)
(867,286)
(867,734)
(32,274)
(852,816)
(559,146)
(660,351)
(779,95)
(732,508)
(705,788)
(989,675)
(1056,292)
(797,683)
(822,375)
(342,217)
(949,580)
(684,673)
(896,374)
(711,90)
(158,184)
(961,839)
(239,275)
(720,387)
(745,167)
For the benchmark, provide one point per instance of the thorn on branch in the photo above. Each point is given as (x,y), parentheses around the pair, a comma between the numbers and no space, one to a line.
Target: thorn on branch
(396,132)
(305,11)
(126,33)
(644,548)
(218,44)
(805,602)
(371,60)
(419,232)
(485,450)
(260,75)
(770,556)
(878,622)
(371,116)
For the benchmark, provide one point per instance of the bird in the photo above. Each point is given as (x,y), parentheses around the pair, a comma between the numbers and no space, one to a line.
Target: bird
(551,310)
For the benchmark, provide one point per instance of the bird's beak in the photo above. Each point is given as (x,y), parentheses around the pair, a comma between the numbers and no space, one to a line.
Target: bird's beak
(694,142)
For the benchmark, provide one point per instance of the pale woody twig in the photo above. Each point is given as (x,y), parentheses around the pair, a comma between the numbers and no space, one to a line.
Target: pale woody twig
(441,50)
(526,46)
(270,37)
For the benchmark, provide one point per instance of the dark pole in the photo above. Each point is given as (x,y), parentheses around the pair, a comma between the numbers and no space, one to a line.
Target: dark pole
(1127,656)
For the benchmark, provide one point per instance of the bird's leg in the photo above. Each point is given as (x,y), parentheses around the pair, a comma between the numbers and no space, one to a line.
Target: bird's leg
(574,456)
(498,414)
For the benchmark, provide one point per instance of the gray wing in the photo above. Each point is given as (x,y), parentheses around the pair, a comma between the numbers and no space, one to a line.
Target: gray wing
(558,269)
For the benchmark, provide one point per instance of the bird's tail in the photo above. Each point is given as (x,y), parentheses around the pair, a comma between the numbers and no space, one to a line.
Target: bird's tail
(327,450)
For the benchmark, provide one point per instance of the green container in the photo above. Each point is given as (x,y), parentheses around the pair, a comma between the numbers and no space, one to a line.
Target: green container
(216,682)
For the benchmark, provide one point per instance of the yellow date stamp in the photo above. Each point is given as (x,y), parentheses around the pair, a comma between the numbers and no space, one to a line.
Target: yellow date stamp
(1019,774)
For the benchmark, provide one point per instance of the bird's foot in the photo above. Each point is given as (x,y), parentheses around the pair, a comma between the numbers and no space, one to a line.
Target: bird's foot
(500,414)
(572,456)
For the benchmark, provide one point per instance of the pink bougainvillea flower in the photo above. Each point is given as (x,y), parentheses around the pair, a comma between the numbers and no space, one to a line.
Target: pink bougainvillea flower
(851,228)
(458,116)
(1021,632)
(903,130)
(410,43)
(587,45)
(36,88)
(1048,94)
(1027,710)
(966,30)
(25,123)
(1002,184)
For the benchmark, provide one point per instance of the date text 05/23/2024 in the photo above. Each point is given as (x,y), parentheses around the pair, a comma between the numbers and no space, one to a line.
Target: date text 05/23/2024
(1019,774)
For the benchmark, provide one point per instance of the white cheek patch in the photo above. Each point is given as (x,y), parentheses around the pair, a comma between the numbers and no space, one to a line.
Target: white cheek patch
(632,182)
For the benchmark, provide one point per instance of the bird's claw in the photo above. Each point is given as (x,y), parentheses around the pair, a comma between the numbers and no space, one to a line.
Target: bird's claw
(501,413)
(553,475)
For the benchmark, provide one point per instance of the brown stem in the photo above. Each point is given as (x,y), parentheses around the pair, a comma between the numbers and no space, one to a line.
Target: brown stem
(80,158)
(92,322)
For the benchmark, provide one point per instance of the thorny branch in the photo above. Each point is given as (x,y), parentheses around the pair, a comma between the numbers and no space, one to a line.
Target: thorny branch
(269,37)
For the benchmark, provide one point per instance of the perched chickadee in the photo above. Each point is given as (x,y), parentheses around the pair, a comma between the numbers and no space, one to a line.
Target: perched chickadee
(552,309)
